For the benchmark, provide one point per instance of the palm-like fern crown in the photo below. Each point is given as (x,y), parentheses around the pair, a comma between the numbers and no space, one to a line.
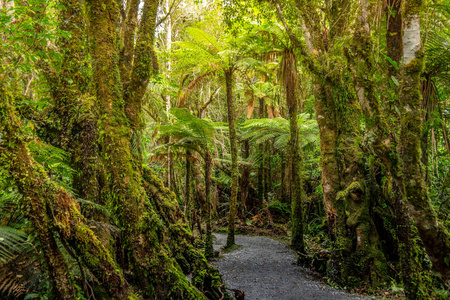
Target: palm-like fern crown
(438,44)
(204,52)
(188,131)
(260,131)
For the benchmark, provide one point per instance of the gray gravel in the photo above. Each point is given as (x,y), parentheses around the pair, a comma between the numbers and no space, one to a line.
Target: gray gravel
(265,269)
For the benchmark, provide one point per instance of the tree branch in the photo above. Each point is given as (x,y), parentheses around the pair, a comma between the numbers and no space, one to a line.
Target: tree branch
(167,14)
(144,64)
(128,34)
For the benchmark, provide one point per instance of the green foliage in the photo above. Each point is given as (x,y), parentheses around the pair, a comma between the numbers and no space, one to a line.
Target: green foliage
(12,241)
(55,161)
(279,209)
(19,259)
(187,131)
(259,131)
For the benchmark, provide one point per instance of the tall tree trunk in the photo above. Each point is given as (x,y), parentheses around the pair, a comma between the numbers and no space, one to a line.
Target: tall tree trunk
(289,73)
(187,189)
(261,191)
(145,217)
(434,236)
(75,110)
(199,185)
(407,172)
(234,157)
(410,274)
(330,169)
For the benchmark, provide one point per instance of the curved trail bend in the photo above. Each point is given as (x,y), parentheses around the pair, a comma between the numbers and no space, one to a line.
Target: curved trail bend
(265,269)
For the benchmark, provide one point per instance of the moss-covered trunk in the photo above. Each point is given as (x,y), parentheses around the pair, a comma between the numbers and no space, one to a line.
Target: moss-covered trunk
(261,191)
(187,189)
(51,210)
(283,192)
(328,161)
(406,245)
(234,156)
(406,171)
(200,186)
(154,234)
(76,111)
(435,237)
(290,81)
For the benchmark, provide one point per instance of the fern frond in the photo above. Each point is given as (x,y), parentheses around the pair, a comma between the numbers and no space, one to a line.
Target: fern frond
(204,38)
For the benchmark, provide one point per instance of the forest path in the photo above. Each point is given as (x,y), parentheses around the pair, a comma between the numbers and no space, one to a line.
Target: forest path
(265,269)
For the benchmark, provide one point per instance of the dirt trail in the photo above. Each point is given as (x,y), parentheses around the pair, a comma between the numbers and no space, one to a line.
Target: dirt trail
(265,269)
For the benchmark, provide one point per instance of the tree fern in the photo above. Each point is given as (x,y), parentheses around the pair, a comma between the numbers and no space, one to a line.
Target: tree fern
(187,131)
(12,242)
(55,160)
(261,130)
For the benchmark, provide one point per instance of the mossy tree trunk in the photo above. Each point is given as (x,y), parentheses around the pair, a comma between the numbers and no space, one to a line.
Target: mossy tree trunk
(435,237)
(410,273)
(328,161)
(407,171)
(234,157)
(147,217)
(76,111)
(346,203)
(261,191)
(51,209)
(290,82)
(283,193)
(200,185)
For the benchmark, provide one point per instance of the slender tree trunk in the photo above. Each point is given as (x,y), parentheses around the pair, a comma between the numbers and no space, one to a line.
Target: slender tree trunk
(234,157)
(245,183)
(209,251)
(187,189)
(410,274)
(394,43)
(269,152)
(290,77)
(200,185)
(283,196)
(261,191)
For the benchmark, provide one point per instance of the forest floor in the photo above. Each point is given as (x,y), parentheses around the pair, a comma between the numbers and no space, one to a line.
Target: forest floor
(266,269)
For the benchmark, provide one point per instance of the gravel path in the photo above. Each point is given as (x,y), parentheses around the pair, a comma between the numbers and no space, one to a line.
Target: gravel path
(265,269)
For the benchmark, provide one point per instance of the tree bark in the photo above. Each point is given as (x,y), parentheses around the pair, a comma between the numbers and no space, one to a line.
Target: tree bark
(435,237)
(234,157)
(209,251)
(146,217)
(290,77)
(261,191)
(245,204)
